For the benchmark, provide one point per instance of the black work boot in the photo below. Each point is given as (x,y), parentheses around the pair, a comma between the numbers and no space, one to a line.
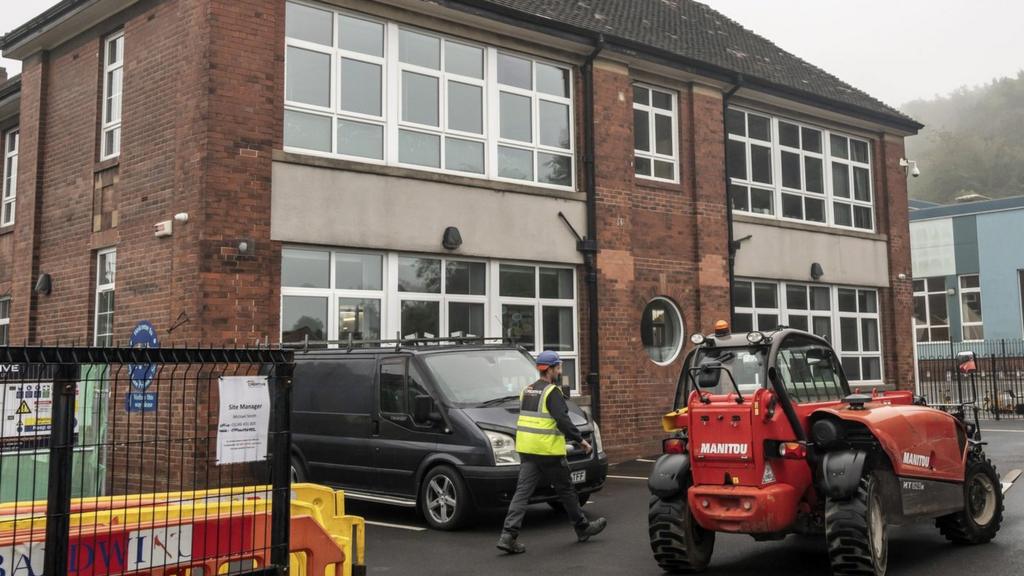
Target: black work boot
(508,544)
(592,529)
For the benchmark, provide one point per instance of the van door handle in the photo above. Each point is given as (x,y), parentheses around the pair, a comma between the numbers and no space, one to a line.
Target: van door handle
(376,428)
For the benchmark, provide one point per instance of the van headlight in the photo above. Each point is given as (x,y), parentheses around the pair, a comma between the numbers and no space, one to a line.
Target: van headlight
(503,447)
(598,447)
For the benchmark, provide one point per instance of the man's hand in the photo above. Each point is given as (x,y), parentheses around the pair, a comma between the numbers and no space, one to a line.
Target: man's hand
(586,447)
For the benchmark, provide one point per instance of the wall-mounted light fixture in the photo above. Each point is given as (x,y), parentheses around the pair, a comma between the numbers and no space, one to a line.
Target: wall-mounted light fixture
(817,271)
(44,284)
(452,238)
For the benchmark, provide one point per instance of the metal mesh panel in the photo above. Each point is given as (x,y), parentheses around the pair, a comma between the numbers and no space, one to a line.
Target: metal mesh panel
(110,464)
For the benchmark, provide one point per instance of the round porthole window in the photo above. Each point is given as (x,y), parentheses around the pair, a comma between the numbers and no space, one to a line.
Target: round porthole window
(661,330)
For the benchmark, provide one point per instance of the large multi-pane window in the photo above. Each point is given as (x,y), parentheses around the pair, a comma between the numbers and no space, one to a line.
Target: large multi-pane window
(349,295)
(9,185)
(5,320)
(106,273)
(931,311)
(113,86)
(655,133)
(376,91)
(970,308)
(846,316)
(798,172)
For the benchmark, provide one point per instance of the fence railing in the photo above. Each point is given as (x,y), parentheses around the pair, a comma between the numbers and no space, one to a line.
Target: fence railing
(997,387)
(162,461)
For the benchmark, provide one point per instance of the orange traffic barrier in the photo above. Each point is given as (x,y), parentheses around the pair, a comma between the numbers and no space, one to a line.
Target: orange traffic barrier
(188,533)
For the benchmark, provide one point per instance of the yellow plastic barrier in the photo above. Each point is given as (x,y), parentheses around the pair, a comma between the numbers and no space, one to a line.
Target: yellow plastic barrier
(177,533)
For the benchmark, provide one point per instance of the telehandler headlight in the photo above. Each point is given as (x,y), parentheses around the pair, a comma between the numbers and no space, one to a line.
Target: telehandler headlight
(697,339)
(755,337)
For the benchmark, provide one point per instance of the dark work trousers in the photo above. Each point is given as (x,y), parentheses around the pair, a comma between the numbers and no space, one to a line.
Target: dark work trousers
(553,470)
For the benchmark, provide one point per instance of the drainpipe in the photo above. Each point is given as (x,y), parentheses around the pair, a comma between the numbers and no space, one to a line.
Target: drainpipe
(733,245)
(588,245)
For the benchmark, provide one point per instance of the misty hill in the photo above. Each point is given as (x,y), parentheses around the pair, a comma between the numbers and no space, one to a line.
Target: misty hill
(973,142)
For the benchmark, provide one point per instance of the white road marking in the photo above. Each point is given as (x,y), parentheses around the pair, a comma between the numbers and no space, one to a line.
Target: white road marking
(1008,480)
(399,526)
(627,477)
(645,460)
(983,430)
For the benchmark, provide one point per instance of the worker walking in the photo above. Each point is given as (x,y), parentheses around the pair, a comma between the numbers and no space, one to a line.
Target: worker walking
(543,428)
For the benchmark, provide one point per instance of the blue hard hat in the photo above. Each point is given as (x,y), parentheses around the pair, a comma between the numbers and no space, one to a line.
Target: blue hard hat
(548,358)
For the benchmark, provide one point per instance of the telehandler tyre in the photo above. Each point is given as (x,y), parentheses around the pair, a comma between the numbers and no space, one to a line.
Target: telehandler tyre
(680,545)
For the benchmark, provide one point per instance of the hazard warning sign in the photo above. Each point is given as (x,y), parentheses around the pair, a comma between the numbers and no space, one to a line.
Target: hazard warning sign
(26,415)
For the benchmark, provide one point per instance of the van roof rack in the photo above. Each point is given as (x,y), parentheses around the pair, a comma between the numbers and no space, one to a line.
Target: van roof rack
(398,343)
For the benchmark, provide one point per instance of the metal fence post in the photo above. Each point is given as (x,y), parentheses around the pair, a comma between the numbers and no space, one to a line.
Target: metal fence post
(58,493)
(281,384)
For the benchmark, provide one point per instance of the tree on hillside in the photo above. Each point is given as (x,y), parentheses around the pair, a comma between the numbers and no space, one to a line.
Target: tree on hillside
(973,141)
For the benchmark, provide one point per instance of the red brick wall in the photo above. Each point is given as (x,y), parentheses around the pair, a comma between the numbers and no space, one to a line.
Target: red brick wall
(649,246)
(897,302)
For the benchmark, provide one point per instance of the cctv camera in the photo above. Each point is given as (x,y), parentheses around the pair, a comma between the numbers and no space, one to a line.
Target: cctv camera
(914,170)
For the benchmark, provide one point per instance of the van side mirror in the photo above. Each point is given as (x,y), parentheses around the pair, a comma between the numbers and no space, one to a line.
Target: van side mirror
(424,410)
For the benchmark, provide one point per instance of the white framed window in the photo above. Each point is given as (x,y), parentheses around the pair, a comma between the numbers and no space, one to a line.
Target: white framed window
(931,309)
(852,197)
(859,336)
(113,87)
(970,308)
(8,200)
(755,305)
(106,274)
(846,316)
(337,294)
(655,133)
(809,308)
(752,182)
(375,91)
(801,172)
(794,171)
(5,321)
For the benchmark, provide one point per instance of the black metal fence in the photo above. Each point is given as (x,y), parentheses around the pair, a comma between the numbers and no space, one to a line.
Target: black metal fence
(156,461)
(997,387)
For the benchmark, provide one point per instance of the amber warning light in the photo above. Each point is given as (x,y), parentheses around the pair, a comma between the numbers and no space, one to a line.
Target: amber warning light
(721,328)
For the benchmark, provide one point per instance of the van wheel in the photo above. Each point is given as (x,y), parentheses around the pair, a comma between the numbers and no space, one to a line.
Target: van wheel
(298,474)
(855,530)
(979,521)
(444,499)
(557,506)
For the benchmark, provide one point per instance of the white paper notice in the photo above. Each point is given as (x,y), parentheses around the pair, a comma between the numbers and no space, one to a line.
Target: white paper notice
(244,422)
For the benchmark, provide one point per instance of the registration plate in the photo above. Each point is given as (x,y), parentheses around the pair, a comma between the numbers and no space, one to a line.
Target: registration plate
(579,476)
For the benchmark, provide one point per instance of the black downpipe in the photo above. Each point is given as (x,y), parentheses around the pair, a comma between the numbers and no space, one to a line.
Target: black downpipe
(588,246)
(732,245)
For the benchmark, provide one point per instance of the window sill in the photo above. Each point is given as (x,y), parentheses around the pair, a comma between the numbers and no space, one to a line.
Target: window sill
(831,230)
(413,174)
(107,164)
(6,229)
(641,182)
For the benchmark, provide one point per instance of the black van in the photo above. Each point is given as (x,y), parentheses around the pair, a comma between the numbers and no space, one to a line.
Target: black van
(426,426)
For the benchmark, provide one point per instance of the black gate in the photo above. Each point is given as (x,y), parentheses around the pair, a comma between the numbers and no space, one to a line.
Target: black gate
(997,386)
(159,461)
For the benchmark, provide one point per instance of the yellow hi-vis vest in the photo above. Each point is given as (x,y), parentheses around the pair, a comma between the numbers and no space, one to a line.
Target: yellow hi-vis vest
(536,431)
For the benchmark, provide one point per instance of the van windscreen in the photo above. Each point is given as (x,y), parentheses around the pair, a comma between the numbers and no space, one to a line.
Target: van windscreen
(470,377)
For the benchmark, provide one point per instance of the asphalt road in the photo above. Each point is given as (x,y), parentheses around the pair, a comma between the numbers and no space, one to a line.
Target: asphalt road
(623,548)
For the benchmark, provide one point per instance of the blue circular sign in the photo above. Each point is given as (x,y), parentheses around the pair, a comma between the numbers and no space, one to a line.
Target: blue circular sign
(143,336)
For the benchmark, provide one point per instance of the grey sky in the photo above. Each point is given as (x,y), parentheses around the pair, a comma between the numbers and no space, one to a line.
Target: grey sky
(896,50)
